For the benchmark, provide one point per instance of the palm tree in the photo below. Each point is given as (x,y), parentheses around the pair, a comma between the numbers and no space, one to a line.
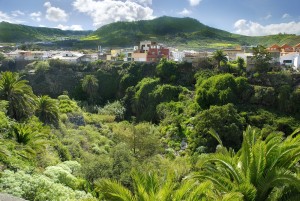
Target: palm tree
(149,187)
(20,97)
(219,56)
(47,110)
(263,169)
(90,86)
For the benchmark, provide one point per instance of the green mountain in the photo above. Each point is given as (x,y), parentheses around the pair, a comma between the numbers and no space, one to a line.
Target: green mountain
(180,32)
(22,33)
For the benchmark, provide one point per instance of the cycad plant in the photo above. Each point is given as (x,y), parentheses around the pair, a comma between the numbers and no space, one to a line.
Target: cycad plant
(151,187)
(30,141)
(146,187)
(263,169)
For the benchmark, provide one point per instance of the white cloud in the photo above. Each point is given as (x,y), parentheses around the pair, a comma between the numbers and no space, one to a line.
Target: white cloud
(7,18)
(142,2)
(107,11)
(55,14)
(72,27)
(17,13)
(250,28)
(185,12)
(286,15)
(194,2)
(36,16)
(268,17)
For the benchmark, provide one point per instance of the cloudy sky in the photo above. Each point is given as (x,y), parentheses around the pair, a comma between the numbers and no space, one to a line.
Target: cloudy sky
(247,17)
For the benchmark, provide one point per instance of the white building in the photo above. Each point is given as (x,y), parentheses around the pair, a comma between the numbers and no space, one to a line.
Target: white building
(291,59)
(88,58)
(71,57)
(27,55)
(176,55)
(243,56)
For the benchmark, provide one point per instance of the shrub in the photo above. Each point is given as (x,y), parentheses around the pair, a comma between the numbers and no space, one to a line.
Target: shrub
(37,187)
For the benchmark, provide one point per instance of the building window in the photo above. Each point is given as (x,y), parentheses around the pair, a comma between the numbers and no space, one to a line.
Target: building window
(287,61)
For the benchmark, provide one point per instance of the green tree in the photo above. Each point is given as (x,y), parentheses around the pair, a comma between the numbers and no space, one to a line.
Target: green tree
(263,169)
(262,58)
(47,110)
(225,120)
(241,64)
(142,139)
(90,86)
(167,70)
(2,57)
(219,57)
(217,90)
(20,97)
(148,94)
(42,66)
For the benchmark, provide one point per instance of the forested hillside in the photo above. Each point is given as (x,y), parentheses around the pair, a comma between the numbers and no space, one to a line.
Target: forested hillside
(179,32)
(176,32)
(150,131)
(17,33)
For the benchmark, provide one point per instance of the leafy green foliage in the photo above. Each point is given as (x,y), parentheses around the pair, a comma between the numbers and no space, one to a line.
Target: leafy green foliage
(90,86)
(116,109)
(167,70)
(66,105)
(42,66)
(263,95)
(261,169)
(182,32)
(104,149)
(47,110)
(148,94)
(37,187)
(227,123)
(222,89)
(21,33)
(219,56)
(20,97)
(261,58)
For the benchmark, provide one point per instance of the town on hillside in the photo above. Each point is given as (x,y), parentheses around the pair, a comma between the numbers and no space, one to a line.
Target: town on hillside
(150,51)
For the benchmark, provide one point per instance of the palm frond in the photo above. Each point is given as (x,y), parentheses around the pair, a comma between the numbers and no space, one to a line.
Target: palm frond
(215,135)
(114,191)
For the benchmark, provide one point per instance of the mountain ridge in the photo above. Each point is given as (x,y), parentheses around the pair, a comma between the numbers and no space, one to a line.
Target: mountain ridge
(23,33)
(179,32)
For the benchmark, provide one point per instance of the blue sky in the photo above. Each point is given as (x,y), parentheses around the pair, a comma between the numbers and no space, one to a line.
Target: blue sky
(247,17)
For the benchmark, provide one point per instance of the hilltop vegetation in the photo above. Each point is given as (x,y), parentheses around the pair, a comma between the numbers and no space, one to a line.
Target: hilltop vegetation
(150,131)
(177,32)
(21,33)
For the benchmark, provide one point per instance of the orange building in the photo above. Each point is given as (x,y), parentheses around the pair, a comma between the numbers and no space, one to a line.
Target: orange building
(274,48)
(153,51)
(297,48)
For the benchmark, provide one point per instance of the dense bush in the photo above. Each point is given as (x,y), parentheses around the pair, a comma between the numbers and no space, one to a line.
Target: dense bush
(224,120)
(39,161)
(222,89)
(37,187)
